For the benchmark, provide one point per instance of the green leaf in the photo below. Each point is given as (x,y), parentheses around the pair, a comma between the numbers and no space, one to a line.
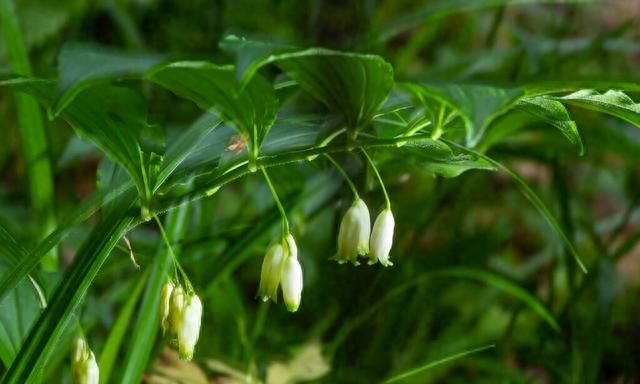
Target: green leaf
(147,322)
(27,263)
(184,145)
(114,119)
(251,55)
(353,85)
(437,157)
(31,361)
(436,363)
(32,133)
(18,311)
(534,199)
(81,65)
(441,8)
(555,114)
(612,102)
(478,105)
(114,341)
(251,110)
(505,285)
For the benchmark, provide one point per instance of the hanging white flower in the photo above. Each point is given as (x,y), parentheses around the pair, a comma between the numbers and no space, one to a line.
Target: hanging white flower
(382,237)
(83,363)
(270,273)
(291,278)
(353,237)
(165,304)
(176,306)
(189,328)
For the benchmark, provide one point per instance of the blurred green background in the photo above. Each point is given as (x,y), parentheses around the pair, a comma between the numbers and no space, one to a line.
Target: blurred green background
(470,253)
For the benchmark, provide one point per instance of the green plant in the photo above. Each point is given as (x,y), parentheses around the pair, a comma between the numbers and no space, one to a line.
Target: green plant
(427,157)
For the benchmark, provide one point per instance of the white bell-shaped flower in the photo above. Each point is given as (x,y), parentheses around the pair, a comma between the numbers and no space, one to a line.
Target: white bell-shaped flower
(382,238)
(83,363)
(353,237)
(165,304)
(189,329)
(91,373)
(270,273)
(176,306)
(291,277)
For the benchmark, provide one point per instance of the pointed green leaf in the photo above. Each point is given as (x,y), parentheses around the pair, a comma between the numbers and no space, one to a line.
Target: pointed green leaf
(251,111)
(478,105)
(612,102)
(251,54)
(113,344)
(350,84)
(555,114)
(534,199)
(184,145)
(80,65)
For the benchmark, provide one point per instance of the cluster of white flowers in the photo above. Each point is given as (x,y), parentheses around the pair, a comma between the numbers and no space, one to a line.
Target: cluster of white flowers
(180,315)
(83,363)
(281,267)
(356,238)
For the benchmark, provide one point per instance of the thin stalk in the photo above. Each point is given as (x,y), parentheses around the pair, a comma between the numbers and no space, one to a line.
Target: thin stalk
(32,134)
(344,175)
(384,189)
(285,221)
(176,264)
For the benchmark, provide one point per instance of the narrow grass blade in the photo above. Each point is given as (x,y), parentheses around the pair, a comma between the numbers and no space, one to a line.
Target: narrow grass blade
(32,133)
(437,363)
(27,263)
(534,199)
(120,327)
(504,285)
(48,330)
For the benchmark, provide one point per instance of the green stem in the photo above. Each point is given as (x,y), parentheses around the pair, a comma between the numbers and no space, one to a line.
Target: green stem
(32,133)
(384,190)
(285,221)
(234,172)
(176,264)
(345,175)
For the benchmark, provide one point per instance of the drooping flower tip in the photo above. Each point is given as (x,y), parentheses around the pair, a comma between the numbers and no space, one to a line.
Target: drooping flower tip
(382,238)
(353,236)
(292,277)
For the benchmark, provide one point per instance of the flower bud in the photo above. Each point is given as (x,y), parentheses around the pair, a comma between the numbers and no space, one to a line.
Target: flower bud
(83,363)
(353,237)
(165,303)
(176,306)
(270,274)
(291,278)
(382,238)
(189,327)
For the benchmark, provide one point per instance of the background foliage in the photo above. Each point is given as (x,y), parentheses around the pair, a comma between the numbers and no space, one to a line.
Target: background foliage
(506,132)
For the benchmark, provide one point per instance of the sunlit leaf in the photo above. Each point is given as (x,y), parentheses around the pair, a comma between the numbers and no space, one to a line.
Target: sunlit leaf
(554,113)
(612,102)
